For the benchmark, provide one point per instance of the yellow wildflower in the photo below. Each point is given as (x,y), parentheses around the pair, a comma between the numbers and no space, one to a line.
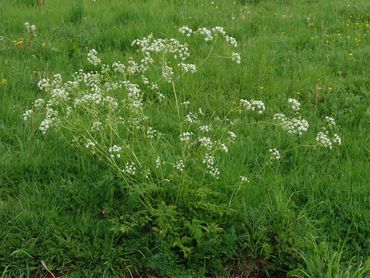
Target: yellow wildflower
(18,42)
(4,82)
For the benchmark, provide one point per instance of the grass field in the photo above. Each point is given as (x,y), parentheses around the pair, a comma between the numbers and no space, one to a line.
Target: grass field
(207,204)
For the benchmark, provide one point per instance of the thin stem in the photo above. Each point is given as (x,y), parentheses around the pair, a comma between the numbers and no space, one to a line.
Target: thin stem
(176,100)
(209,54)
(234,193)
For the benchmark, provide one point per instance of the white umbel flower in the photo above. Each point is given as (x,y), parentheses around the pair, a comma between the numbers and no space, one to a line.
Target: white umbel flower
(114,151)
(180,166)
(167,73)
(93,58)
(129,169)
(337,140)
(209,161)
(206,33)
(330,121)
(236,57)
(253,105)
(27,114)
(232,135)
(323,139)
(274,154)
(244,179)
(89,144)
(158,162)
(185,136)
(185,30)
(294,104)
(206,142)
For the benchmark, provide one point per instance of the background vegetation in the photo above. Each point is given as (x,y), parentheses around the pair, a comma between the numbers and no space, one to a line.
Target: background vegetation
(307,216)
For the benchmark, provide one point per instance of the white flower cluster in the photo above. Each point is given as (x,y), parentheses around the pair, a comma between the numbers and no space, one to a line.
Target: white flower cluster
(158,162)
(119,67)
(180,166)
(149,45)
(147,174)
(232,135)
(59,93)
(219,30)
(209,35)
(115,151)
(294,104)
(27,114)
(38,103)
(51,118)
(244,179)
(205,128)
(236,57)
(323,139)
(134,96)
(111,102)
(224,148)
(206,142)
(231,40)
(209,161)
(253,105)
(185,104)
(129,169)
(330,121)
(326,138)
(93,58)
(89,144)
(297,126)
(151,133)
(30,28)
(43,84)
(96,126)
(167,49)
(199,140)
(167,73)
(188,67)
(336,139)
(274,154)
(206,33)
(190,118)
(185,30)
(185,136)
(134,68)
(280,117)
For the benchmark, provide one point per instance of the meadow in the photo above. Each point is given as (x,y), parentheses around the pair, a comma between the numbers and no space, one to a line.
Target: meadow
(185,138)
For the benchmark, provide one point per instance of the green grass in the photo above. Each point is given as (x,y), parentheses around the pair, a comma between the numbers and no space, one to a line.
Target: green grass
(307,216)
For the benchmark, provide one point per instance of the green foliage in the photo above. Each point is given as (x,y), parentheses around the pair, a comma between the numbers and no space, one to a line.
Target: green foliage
(322,262)
(76,14)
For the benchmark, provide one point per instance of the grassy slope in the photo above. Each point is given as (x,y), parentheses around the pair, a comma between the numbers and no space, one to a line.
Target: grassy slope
(51,199)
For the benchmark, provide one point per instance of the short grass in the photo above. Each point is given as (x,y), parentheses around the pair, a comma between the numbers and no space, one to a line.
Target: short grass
(308,216)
